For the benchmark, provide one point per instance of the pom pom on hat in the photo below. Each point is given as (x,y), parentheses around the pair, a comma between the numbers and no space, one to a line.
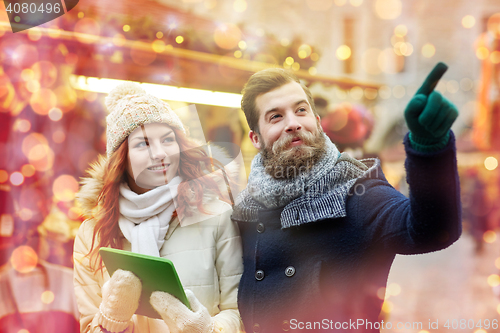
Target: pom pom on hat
(129,107)
(120,91)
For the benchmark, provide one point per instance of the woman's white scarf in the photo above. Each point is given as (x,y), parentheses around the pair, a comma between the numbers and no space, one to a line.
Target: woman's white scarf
(145,218)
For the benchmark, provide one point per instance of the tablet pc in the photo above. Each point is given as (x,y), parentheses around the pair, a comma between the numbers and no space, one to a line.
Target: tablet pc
(155,274)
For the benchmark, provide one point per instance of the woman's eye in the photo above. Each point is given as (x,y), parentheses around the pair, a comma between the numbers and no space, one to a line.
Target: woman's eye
(302,109)
(141,144)
(169,139)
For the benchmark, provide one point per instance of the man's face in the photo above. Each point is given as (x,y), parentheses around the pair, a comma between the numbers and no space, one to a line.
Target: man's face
(290,134)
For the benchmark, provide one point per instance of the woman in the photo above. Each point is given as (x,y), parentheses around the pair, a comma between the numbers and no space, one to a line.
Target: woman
(155,193)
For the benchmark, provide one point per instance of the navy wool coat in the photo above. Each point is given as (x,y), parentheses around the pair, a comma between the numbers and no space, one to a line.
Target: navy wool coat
(324,275)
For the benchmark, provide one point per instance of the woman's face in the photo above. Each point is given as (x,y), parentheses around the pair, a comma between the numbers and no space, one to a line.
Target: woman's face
(153,157)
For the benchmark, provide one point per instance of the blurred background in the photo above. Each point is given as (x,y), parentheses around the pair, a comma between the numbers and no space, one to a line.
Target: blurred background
(362,59)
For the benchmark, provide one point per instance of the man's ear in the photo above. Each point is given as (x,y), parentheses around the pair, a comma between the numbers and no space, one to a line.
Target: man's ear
(254,137)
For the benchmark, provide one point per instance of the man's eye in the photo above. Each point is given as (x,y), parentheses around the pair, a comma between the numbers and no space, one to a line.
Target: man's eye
(302,109)
(274,116)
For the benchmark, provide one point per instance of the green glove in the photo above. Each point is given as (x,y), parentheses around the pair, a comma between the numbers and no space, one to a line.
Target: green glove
(429,115)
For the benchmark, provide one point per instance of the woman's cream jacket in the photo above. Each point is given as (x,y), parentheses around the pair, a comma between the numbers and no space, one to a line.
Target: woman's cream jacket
(206,254)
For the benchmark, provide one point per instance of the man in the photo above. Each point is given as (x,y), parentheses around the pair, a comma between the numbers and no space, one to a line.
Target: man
(321,229)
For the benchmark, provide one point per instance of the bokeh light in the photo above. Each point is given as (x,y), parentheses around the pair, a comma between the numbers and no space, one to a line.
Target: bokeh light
(65,188)
(159,35)
(4,176)
(26,55)
(398,91)
(295,66)
(343,52)
(356,3)
(237,54)
(371,93)
(497,262)
(45,73)
(400,30)
(24,259)
(16,178)
(452,86)
(35,147)
(158,46)
(494,25)
(381,293)
(34,34)
(385,92)
(495,57)
(319,5)
(387,306)
(239,6)
(227,36)
(482,52)
(490,163)
(58,136)
(43,101)
(466,84)
(314,56)
(66,98)
(490,236)
(126,28)
(356,93)
(394,289)
(494,280)
(468,21)
(28,170)
(47,297)
(312,70)
(22,125)
(388,9)
(55,114)
(304,51)
(242,44)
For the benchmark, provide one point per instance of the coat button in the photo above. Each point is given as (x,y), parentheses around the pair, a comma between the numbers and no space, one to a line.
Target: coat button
(286,325)
(259,275)
(256,328)
(290,271)
(260,228)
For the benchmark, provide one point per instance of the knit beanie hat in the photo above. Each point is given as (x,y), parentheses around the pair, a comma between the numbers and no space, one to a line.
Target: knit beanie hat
(130,107)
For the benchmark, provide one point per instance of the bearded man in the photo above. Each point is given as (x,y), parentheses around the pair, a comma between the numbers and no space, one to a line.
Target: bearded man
(320,229)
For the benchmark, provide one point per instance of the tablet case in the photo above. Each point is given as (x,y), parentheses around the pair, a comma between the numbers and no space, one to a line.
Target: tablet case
(155,274)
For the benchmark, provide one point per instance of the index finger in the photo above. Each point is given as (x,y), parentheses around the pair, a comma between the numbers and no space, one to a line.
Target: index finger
(432,79)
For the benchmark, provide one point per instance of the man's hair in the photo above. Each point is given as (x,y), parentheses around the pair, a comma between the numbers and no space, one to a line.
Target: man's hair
(262,82)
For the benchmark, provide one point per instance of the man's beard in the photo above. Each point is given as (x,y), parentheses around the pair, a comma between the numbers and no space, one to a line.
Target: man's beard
(282,161)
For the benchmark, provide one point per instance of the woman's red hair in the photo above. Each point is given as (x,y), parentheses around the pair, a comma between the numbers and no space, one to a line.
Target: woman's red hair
(194,167)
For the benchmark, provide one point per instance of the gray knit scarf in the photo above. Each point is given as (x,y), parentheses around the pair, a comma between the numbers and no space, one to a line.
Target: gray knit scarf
(327,184)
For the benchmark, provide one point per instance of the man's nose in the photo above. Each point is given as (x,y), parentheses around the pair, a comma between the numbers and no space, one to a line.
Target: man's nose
(292,124)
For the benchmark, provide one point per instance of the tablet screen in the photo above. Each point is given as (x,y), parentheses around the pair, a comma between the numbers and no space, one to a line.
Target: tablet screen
(156,274)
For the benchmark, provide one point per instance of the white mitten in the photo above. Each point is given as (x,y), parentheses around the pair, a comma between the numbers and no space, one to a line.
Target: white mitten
(178,317)
(120,299)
